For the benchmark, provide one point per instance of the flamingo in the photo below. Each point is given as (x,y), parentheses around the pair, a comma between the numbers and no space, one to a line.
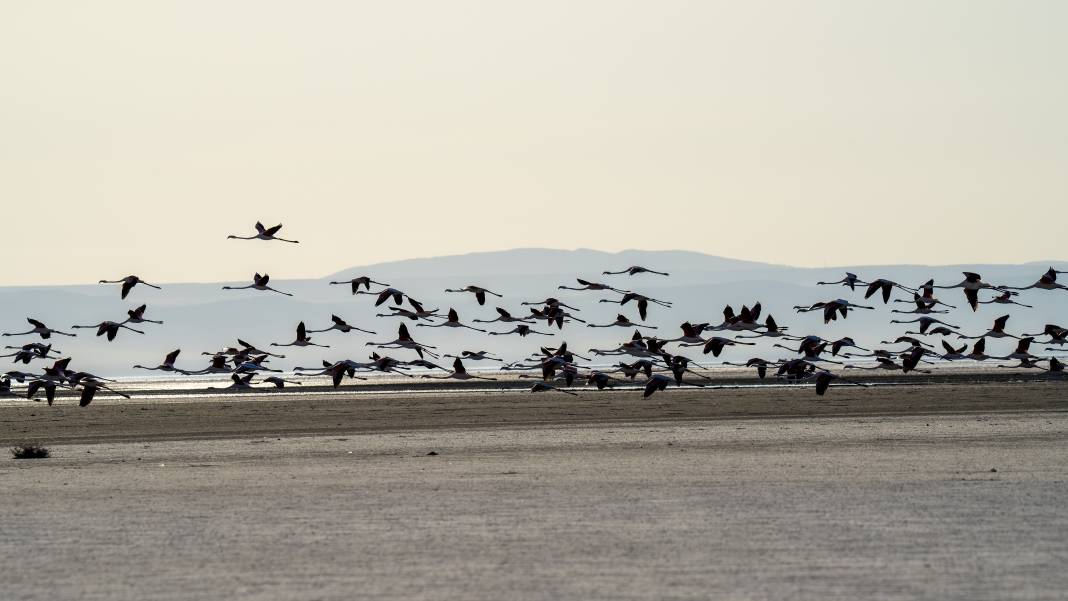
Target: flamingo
(259,282)
(845,342)
(600,379)
(925,323)
(521,329)
(458,373)
(90,387)
(772,330)
(642,301)
(341,326)
(251,349)
(1048,281)
(1025,363)
(746,320)
(886,286)
(280,382)
(912,342)
(476,356)
(832,309)
(504,317)
(998,331)
(263,233)
(926,289)
(550,302)
(850,280)
(238,382)
(40,329)
(1005,298)
(761,365)
(167,365)
(939,331)
(216,366)
(543,387)
(425,363)
(381,296)
(954,354)
(715,345)
(824,379)
(634,270)
(418,312)
(923,306)
(453,321)
(621,321)
(302,339)
(111,328)
(655,383)
(128,283)
(138,316)
(364,281)
(971,284)
(404,340)
(1057,335)
(1022,352)
(691,334)
(479,292)
(590,286)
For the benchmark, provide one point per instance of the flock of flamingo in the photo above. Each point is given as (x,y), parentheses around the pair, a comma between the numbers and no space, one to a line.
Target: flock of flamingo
(558,368)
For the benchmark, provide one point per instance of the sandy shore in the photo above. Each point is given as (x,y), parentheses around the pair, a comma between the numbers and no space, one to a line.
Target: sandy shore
(884,493)
(250,414)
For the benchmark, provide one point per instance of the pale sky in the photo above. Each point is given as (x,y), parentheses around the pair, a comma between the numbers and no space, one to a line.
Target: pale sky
(134,136)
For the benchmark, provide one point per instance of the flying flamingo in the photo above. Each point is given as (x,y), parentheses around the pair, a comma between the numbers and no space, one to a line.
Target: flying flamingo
(167,365)
(302,339)
(589,286)
(364,281)
(40,329)
(128,283)
(476,356)
(998,331)
(621,321)
(642,301)
(404,340)
(634,270)
(925,323)
(259,282)
(458,373)
(504,317)
(521,329)
(452,322)
(138,316)
(1048,281)
(280,382)
(1005,298)
(971,284)
(886,286)
(110,328)
(479,292)
(341,326)
(850,280)
(263,233)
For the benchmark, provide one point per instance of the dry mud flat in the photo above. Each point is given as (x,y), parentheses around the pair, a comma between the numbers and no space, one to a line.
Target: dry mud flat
(836,503)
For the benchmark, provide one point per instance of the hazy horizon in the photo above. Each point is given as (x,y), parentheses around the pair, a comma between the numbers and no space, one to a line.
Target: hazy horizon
(623,255)
(137,136)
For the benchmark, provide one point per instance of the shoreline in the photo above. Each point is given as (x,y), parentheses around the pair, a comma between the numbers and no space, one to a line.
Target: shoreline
(253,415)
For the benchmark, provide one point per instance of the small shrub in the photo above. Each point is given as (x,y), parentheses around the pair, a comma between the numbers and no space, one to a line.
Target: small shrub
(30,451)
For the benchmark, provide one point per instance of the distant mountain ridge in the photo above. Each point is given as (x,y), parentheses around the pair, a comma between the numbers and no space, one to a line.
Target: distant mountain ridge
(550,261)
